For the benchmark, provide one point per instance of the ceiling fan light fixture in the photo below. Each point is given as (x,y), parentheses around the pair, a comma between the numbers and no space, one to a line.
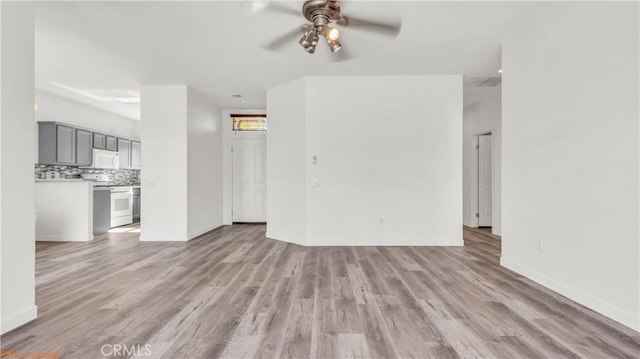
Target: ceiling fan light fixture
(334,45)
(331,33)
(309,39)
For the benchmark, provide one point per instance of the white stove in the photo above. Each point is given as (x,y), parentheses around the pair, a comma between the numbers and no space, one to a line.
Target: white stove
(121,205)
(121,198)
(98,179)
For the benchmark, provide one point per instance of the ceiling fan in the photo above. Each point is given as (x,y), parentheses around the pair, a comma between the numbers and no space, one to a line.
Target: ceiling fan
(323,16)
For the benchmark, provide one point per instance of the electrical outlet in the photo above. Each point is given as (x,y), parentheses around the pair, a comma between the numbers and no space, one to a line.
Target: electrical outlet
(315,182)
(540,244)
(381,221)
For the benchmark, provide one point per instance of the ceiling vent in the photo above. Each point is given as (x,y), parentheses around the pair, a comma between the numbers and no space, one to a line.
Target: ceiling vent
(483,81)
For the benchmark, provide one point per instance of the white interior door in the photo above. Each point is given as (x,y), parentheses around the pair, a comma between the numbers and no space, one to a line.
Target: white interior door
(249,180)
(485,185)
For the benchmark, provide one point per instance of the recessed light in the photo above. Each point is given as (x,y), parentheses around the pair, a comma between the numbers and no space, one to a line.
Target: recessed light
(36,106)
(500,71)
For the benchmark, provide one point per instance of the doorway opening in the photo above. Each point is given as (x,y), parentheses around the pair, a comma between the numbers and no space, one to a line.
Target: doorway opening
(484,180)
(249,176)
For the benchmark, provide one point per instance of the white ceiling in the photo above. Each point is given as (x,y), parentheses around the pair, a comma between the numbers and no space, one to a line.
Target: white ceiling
(216,46)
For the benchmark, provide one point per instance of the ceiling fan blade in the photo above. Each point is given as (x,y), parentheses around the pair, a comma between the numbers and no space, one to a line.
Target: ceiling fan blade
(285,39)
(275,7)
(368,25)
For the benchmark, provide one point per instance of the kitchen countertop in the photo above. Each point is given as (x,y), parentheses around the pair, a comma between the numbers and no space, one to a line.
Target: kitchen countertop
(77,180)
(59,180)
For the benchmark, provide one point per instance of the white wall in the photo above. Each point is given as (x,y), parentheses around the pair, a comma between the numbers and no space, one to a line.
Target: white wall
(56,108)
(227,170)
(571,155)
(182,156)
(286,162)
(204,161)
(482,113)
(17,128)
(164,154)
(389,160)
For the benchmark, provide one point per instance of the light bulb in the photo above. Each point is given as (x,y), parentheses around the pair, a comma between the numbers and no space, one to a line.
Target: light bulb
(332,33)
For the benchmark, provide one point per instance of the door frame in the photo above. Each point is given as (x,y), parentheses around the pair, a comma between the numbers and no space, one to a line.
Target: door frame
(475,172)
(228,134)
(243,135)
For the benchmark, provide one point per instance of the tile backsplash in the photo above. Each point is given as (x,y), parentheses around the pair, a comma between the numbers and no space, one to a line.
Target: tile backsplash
(121,176)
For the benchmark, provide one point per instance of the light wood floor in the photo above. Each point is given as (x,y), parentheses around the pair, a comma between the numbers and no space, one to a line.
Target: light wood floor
(233,293)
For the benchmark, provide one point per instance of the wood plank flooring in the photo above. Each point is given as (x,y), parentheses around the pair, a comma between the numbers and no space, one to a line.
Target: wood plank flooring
(232,293)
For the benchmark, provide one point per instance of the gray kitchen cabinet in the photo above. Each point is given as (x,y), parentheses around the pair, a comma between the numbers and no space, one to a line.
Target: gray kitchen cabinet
(136,204)
(136,155)
(56,144)
(124,151)
(110,144)
(84,147)
(101,210)
(99,141)
(65,145)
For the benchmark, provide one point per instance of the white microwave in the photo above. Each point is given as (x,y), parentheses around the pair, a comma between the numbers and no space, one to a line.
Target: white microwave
(105,159)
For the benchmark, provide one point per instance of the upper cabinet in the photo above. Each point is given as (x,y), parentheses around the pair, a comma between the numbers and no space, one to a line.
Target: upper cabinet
(136,155)
(110,143)
(84,147)
(99,141)
(64,145)
(65,149)
(124,151)
(129,153)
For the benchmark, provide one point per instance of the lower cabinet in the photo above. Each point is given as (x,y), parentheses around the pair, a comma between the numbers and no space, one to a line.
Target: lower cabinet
(101,210)
(136,204)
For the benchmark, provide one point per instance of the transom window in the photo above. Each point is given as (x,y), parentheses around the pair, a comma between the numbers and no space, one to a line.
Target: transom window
(249,122)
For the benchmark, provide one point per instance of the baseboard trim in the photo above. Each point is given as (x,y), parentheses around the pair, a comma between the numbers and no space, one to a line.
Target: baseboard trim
(619,315)
(352,243)
(204,230)
(61,238)
(143,238)
(284,239)
(372,244)
(18,319)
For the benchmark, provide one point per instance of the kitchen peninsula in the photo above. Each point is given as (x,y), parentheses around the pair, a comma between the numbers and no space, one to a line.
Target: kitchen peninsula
(64,210)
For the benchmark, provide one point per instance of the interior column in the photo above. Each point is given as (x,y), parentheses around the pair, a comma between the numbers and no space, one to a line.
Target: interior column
(17,133)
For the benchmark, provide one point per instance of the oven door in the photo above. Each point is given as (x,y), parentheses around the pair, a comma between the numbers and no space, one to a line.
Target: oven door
(121,207)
